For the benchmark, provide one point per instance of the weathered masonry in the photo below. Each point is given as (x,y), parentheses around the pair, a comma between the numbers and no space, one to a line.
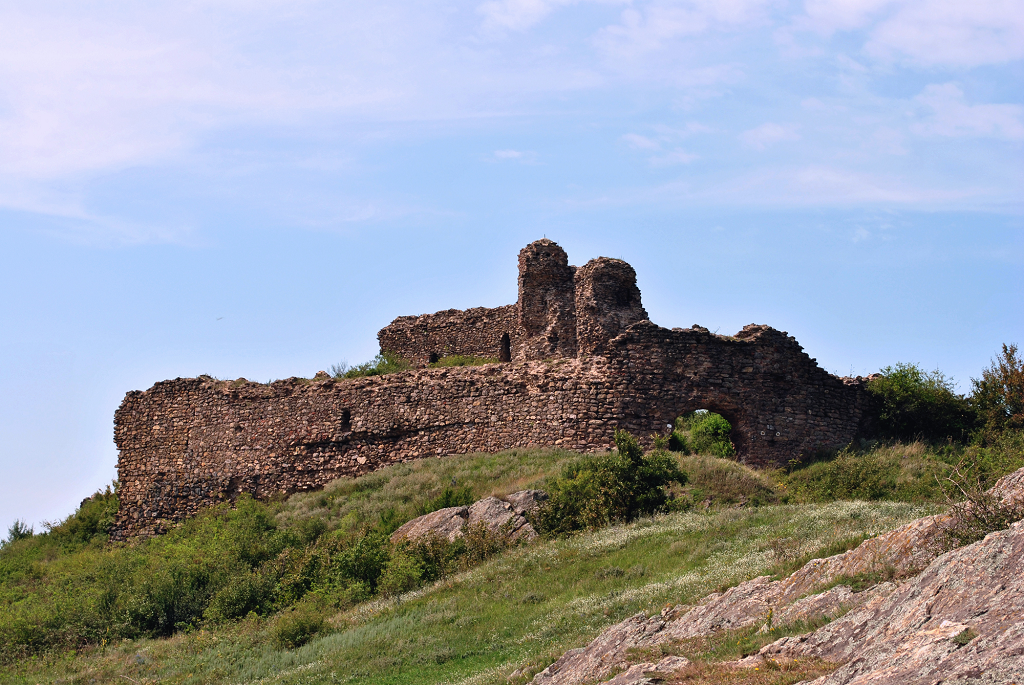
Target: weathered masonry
(579,359)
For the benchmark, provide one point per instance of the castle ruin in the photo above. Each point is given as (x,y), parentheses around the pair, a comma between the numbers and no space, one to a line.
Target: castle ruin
(578,358)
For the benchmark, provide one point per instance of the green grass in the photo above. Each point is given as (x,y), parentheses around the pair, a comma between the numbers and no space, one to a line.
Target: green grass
(403,490)
(523,608)
(233,587)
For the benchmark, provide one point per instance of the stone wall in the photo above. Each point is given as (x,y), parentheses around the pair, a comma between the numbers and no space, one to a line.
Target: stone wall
(190,443)
(478,332)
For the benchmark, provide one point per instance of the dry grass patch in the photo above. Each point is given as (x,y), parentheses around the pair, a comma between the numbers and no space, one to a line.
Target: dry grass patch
(769,672)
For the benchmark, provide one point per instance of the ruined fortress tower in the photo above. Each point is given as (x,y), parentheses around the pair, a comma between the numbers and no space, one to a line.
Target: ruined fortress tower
(578,359)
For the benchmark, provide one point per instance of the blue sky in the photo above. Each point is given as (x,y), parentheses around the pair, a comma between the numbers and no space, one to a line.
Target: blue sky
(255,188)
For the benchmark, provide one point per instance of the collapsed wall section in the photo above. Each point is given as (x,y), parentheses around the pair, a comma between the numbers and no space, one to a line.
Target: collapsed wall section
(190,443)
(478,332)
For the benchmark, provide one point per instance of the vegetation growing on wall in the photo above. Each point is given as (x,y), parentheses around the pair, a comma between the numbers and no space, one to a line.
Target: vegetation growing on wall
(383,363)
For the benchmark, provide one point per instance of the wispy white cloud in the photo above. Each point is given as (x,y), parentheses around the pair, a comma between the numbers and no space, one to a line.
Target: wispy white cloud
(664,143)
(673,157)
(516,14)
(521,156)
(951,33)
(925,33)
(768,134)
(950,115)
(647,27)
(639,142)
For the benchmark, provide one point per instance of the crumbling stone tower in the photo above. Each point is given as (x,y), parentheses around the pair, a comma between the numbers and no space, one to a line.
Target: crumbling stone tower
(562,312)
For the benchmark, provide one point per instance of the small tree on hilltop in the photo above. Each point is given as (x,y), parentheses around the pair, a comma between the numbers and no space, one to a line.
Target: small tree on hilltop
(998,396)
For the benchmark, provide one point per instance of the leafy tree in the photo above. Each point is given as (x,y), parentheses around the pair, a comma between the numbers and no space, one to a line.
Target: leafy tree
(19,530)
(911,403)
(998,396)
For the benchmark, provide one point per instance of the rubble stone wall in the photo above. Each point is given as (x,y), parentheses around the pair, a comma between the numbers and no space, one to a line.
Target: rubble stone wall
(478,332)
(189,443)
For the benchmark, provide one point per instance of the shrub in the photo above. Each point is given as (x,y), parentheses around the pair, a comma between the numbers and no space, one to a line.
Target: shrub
(703,432)
(19,530)
(596,490)
(849,475)
(297,626)
(252,593)
(438,557)
(449,497)
(364,561)
(709,434)
(384,362)
(910,403)
(402,573)
(998,396)
(975,512)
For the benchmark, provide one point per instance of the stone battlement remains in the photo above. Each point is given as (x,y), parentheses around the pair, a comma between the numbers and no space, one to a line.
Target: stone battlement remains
(579,359)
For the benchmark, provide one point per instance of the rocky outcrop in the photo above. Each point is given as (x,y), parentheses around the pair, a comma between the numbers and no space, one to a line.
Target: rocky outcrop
(500,516)
(961,619)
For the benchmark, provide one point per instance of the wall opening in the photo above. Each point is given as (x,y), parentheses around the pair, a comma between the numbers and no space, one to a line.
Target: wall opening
(346,421)
(553,342)
(433,358)
(505,354)
(703,431)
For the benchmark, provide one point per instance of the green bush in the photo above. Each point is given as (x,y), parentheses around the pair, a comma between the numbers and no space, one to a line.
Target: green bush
(384,362)
(253,592)
(19,530)
(449,497)
(596,490)
(702,432)
(403,572)
(849,475)
(364,561)
(910,403)
(297,626)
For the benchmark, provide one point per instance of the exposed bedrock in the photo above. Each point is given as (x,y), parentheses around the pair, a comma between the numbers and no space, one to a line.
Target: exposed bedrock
(959,618)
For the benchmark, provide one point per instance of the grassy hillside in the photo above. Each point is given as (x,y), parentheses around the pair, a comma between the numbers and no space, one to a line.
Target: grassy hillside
(223,597)
(518,609)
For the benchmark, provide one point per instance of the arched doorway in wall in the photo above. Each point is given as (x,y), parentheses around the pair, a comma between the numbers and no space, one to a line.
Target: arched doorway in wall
(704,432)
(708,427)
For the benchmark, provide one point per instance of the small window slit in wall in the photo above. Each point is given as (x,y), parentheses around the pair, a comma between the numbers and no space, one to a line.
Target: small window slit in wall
(346,421)
(505,355)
